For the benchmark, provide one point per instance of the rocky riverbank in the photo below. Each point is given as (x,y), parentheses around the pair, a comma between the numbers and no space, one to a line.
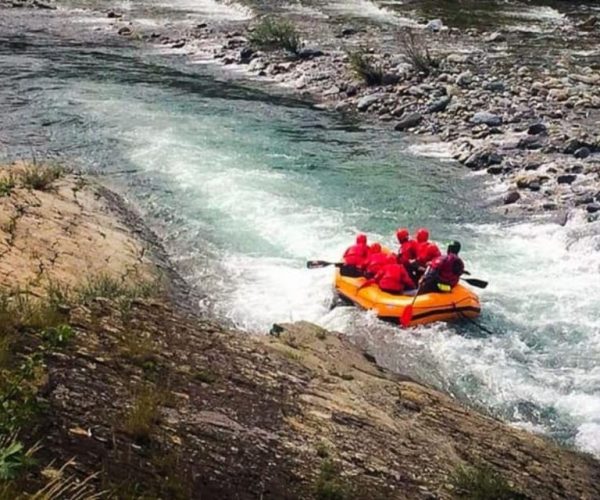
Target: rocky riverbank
(109,372)
(525,110)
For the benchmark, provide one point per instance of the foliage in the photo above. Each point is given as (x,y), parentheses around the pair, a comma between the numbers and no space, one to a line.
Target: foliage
(417,53)
(106,286)
(7,184)
(482,483)
(13,457)
(276,34)
(58,336)
(329,485)
(363,65)
(40,177)
(142,418)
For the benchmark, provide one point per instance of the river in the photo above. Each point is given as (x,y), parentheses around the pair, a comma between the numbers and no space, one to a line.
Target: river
(245,183)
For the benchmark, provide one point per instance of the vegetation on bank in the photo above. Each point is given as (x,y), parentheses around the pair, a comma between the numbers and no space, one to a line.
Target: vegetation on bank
(276,34)
(365,67)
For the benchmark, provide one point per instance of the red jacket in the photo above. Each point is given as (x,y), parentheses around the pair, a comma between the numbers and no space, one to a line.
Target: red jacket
(426,252)
(356,255)
(407,251)
(375,263)
(393,277)
(448,268)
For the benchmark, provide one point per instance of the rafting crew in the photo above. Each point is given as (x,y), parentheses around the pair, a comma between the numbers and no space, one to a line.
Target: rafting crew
(418,265)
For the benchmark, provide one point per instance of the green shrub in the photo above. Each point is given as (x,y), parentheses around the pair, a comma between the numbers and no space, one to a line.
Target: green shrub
(482,483)
(14,458)
(365,68)
(7,184)
(276,34)
(59,336)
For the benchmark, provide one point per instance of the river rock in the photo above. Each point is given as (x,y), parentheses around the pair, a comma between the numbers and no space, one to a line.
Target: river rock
(308,53)
(125,31)
(582,152)
(573,145)
(566,178)
(559,95)
(181,43)
(113,15)
(592,208)
(482,158)
(246,55)
(494,86)
(486,118)
(439,105)
(530,142)
(434,25)
(408,121)
(537,128)
(367,101)
(464,79)
(588,24)
(495,37)
(512,197)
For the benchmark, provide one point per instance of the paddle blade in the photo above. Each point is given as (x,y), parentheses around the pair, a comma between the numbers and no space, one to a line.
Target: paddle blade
(476,283)
(315,264)
(406,316)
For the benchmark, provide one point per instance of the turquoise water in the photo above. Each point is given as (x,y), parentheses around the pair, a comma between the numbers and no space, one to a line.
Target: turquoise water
(243,186)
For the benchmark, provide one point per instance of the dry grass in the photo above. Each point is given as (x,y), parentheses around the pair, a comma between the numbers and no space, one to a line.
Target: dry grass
(276,34)
(144,415)
(364,67)
(40,177)
(417,53)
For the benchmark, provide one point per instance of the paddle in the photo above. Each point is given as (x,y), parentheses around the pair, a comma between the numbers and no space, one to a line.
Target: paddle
(315,264)
(408,310)
(475,282)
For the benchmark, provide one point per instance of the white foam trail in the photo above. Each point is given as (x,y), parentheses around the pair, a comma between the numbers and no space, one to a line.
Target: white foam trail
(369,10)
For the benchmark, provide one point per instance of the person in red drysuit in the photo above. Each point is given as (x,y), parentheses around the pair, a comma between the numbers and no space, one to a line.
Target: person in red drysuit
(426,252)
(375,261)
(392,278)
(407,252)
(355,257)
(444,271)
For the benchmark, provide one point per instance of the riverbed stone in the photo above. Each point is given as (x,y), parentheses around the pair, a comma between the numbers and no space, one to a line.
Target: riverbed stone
(566,178)
(408,121)
(537,128)
(512,197)
(486,118)
(439,105)
(367,101)
(495,86)
(582,152)
(592,208)
(464,79)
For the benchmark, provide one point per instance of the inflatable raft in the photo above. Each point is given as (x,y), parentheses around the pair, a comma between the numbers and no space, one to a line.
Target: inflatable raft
(459,303)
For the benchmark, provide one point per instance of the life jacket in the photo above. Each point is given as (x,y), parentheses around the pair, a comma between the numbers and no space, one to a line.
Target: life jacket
(427,252)
(407,251)
(394,277)
(356,255)
(448,268)
(375,262)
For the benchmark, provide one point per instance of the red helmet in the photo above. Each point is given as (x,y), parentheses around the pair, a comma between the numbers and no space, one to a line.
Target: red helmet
(361,239)
(402,235)
(392,259)
(422,235)
(375,248)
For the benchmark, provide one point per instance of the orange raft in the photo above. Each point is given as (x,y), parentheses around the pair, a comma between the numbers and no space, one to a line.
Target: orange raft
(459,303)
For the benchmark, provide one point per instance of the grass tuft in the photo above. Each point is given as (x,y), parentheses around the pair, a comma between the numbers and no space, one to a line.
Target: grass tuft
(59,336)
(144,415)
(7,184)
(40,177)
(365,68)
(482,483)
(109,287)
(14,457)
(417,53)
(276,34)
(329,485)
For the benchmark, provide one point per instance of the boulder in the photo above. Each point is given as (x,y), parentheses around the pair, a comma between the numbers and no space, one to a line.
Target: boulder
(512,197)
(566,178)
(367,101)
(439,105)
(246,55)
(592,208)
(408,121)
(482,158)
(486,118)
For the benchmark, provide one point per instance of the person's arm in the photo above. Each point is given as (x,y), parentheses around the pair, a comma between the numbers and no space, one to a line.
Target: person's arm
(369,282)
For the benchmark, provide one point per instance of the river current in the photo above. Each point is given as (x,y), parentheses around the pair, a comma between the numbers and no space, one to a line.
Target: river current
(245,183)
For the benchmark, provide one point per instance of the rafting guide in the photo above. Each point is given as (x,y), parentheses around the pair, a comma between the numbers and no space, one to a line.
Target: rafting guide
(417,285)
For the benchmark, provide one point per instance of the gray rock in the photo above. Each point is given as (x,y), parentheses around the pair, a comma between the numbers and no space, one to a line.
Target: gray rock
(495,37)
(582,152)
(439,105)
(592,208)
(408,121)
(434,25)
(308,53)
(464,79)
(495,169)
(530,142)
(512,197)
(486,118)
(495,86)
(482,158)
(125,31)
(537,128)
(113,15)
(566,178)
(367,101)
(246,55)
